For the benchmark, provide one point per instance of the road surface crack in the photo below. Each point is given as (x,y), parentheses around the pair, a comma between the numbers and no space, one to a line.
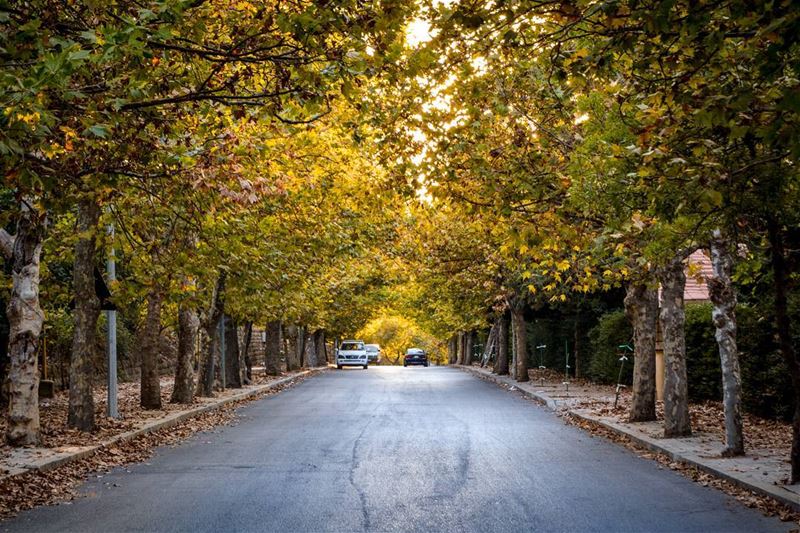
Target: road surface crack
(354,464)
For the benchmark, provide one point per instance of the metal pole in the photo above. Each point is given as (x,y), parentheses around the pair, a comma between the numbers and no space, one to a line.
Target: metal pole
(112,410)
(222,350)
(542,368)
(622,359)
(566,364)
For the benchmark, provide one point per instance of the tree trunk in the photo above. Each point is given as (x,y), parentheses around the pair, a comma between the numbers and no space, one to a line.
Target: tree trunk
(490,348)
(272,351)
(300,346)
(233,360)
(676,392)
(576,346)
(212,360)
(149,342)
(292,362)
(25,320)
(501,361)
(451,350)
(469,344)
(723,296)
(459,347)
(520,340)
(783,324)
(188,324)
(87,310)
(641,306)
(248,362)
(512,369)
(319,346)
(309,350)
(208,368)
(293,352)
(3,353)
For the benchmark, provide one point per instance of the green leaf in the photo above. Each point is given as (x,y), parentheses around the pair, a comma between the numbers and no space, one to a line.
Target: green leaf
(79,55)
(98,130)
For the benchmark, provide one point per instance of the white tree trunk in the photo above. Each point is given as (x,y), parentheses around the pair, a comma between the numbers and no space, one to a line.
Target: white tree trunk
(25,319)
(723,297)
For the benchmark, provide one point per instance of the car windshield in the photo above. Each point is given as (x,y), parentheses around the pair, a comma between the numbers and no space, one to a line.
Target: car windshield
(372,347)
(351,346)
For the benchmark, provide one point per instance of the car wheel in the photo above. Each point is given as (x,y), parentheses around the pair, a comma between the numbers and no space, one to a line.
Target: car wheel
(339,367)
(366,366)
(426,365)
(404,365)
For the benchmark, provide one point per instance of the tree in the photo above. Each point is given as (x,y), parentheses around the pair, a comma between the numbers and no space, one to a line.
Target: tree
(676,396)
(722,295)
(188,325)
(272,351)
(641,306)
(501,361)
(25,319)
(61,129)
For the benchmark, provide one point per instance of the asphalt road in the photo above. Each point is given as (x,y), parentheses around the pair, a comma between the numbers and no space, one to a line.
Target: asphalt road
(394,449)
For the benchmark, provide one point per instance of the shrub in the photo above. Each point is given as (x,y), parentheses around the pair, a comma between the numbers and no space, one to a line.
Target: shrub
(612,330)
(702,357)
(543,331)
(766,386)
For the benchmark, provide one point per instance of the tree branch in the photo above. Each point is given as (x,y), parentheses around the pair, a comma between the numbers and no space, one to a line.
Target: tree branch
(6,243)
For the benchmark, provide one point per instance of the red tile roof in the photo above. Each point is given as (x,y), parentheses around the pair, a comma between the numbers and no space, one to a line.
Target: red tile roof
(697,272)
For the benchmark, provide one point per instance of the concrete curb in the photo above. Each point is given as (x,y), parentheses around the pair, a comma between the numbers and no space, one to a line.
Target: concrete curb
(775,492)
(540,398)
(169,420)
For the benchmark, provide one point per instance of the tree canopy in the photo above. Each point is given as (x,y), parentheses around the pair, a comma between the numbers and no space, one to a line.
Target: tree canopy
(406,170)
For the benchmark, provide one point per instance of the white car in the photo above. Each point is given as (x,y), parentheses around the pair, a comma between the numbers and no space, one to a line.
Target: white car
(352,353)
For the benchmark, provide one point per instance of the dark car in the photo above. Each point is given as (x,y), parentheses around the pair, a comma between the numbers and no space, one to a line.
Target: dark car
(415,356)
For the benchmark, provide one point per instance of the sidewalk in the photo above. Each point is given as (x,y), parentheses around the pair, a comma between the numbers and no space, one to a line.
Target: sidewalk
(23,460)
(762,470)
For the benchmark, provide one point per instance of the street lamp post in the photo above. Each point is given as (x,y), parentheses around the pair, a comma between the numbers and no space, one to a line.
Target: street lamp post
(112,410)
